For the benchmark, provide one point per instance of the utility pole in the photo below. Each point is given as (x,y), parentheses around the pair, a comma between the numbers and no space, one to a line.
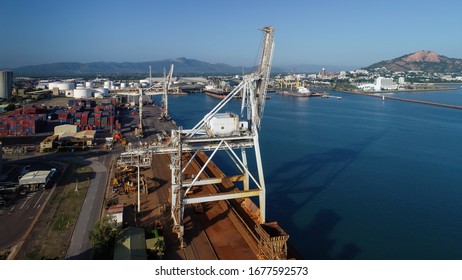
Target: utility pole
(150,77)
(139,202)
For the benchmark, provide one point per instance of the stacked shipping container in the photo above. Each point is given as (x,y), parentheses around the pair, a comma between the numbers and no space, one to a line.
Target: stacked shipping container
(20,125)
(91,116)
(86,114)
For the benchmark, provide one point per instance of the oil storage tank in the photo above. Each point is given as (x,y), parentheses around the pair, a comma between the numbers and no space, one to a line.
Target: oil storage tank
(108,84)
(62,86)
(100,92)
(82,93)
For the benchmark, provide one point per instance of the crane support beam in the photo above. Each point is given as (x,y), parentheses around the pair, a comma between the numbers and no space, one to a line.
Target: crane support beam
(220,196)
(211,181)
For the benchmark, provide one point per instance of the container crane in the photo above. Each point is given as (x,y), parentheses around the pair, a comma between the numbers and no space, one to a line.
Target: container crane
(217,132)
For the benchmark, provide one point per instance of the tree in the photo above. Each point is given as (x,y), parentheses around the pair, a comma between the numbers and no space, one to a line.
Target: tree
(103,235)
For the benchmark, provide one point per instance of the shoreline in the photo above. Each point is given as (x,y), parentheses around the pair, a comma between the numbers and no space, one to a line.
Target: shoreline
(398,91)
(390,91)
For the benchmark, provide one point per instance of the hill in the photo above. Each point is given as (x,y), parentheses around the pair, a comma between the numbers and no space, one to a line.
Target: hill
(183,66)
(427,61)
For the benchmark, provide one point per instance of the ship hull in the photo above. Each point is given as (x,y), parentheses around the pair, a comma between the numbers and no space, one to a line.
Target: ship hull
(216,94)
(292,93)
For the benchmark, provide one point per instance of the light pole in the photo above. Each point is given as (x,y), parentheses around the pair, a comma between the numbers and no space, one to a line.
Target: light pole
(139,207)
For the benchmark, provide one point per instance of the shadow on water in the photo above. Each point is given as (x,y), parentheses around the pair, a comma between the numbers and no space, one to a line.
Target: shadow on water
(290,185)
(319,245)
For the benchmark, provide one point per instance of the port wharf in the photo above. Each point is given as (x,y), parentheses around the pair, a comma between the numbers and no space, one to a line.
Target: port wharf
(225,230)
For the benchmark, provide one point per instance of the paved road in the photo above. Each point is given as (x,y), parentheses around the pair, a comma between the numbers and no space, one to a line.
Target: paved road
(80,246)
(16,219)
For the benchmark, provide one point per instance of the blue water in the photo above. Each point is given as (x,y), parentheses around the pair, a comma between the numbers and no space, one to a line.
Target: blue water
(359,178)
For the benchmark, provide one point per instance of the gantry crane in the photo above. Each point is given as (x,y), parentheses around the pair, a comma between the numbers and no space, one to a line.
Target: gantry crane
(167,79)
(215,132)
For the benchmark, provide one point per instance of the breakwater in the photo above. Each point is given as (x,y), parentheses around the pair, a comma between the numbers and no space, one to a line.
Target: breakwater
(407,100)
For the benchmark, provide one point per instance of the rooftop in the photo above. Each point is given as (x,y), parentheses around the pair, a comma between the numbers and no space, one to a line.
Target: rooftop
(35,177)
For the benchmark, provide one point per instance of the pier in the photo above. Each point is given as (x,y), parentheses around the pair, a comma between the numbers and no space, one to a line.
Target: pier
(420,102)
(224,230)
(383,97)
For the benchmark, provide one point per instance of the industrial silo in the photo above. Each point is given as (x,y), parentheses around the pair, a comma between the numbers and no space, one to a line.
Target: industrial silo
(6,84)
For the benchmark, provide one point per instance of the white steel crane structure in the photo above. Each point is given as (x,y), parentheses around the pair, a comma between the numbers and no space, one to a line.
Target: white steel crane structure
(218,131)
(167,79)
(166,87)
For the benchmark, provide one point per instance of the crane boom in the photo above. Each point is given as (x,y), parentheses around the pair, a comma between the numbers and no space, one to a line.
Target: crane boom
(264,70)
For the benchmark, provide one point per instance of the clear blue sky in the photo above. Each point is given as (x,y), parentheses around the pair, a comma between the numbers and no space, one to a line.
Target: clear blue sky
(343,33)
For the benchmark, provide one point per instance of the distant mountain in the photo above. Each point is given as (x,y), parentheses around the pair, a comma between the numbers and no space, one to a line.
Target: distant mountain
(427,61)
(183,66)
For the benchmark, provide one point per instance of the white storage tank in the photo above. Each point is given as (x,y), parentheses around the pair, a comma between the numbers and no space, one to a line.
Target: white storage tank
(123,85)
(97,94)
(82,93)
(89,84)
(52,85)
(108,84)
(66,86)
(101,92)
(62,86)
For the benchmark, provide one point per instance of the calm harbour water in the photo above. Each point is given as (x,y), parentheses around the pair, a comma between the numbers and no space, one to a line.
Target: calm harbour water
(359,178)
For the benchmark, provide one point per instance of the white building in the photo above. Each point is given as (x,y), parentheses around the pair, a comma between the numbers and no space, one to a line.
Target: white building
(361,71)
(382,83)
(366,87)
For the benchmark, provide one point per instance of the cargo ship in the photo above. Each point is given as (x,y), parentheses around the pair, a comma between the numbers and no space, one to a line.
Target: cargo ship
(300,92)
(217,93)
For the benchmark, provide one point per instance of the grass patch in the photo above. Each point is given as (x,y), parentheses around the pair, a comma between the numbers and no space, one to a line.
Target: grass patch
(52,233)
(62,222)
